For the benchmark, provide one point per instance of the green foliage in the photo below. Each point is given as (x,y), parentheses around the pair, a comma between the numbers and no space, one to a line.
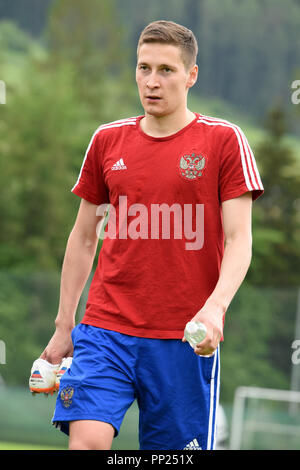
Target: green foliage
(14,40)
(89,36)
(30,15)
(45,128)
(276,215)
(259,330)
(27,303)
(38,141)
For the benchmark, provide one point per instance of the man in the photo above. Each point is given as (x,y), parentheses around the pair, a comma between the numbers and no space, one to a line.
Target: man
(151,279)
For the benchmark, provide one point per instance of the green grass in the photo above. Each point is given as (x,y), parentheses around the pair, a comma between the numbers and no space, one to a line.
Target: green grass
(18,446)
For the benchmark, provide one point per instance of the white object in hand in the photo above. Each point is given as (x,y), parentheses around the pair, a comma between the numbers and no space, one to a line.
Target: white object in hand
(45,377)
(65,365)
(42,377)
(194,332)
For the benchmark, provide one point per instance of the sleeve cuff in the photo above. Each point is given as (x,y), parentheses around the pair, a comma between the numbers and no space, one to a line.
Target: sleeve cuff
(256,193)
(84,195)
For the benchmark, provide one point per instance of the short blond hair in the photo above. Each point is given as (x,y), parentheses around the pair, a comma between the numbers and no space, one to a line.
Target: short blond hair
(168,32)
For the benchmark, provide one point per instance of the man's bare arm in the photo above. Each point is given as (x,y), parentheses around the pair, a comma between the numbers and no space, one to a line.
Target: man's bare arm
(78,261)
(237,221)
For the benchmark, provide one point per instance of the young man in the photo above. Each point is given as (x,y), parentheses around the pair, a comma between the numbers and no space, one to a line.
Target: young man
(152,278)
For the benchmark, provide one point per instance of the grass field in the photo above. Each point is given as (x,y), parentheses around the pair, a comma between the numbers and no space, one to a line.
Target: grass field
(25,423)
(18,446)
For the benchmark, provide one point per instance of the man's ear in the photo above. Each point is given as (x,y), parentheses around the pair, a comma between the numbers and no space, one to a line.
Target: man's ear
(193,75)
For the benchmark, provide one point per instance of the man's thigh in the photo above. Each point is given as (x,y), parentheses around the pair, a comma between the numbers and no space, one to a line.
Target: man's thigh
(99,384)
(90,435)
(178,395)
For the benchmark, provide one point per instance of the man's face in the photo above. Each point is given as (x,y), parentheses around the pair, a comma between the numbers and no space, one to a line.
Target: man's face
(162,78)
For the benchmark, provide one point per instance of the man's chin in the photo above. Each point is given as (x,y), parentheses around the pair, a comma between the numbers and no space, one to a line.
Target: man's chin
(156,113)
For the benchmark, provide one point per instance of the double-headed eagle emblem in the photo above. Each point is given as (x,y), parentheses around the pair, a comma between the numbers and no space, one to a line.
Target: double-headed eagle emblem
(191,166)
(66,396)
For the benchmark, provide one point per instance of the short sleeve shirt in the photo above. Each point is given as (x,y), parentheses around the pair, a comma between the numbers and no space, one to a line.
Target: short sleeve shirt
(164,241)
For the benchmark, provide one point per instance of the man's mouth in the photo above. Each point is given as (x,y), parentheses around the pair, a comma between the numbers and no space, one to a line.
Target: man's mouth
(153,98)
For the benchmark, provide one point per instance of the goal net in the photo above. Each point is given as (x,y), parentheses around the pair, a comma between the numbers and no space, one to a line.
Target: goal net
(265,419)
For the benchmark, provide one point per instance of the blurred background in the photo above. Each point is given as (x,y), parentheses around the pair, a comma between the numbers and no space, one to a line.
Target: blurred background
(68,66)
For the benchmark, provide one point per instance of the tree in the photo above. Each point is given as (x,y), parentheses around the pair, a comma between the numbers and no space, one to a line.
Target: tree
(276,218)
(40,136)
(89,36)
(20,12)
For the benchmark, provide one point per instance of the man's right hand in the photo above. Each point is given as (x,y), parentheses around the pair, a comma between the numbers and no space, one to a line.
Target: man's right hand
(56,358)
(59,346)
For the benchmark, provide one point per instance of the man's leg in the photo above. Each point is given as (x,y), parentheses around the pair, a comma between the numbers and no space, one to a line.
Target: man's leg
(97,390)
(90,435)
(177,393)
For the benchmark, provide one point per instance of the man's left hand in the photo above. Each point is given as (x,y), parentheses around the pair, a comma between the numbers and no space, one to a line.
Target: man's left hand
(211,315)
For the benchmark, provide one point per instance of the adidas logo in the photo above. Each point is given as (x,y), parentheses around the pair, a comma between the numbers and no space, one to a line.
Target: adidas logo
(193,445)
(119,165)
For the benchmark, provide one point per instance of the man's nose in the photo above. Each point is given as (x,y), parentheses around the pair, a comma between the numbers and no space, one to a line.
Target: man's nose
(152,81)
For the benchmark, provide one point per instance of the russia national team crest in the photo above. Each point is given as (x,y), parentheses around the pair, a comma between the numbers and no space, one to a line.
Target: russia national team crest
(191,166)
(66,396)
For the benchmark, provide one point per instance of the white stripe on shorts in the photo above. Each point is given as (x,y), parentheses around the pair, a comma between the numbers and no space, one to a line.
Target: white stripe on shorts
(214,400)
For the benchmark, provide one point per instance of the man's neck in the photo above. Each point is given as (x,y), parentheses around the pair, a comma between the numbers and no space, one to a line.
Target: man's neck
(165,125)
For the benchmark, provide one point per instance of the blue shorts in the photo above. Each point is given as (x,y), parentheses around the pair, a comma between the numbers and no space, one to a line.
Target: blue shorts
(177,391)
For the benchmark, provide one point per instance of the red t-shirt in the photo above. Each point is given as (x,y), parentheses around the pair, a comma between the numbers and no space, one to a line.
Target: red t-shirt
(156,271)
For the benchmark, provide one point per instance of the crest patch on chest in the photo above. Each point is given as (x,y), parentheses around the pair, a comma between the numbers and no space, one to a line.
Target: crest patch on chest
(192,166)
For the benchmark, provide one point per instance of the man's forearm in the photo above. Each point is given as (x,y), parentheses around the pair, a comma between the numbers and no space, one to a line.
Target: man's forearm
(235,264)
(77,265)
